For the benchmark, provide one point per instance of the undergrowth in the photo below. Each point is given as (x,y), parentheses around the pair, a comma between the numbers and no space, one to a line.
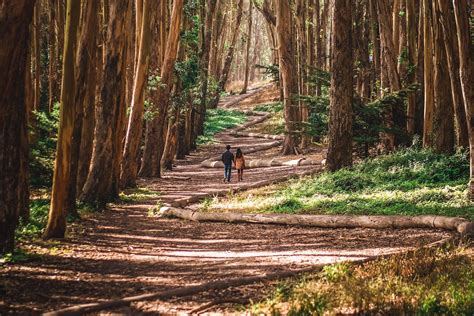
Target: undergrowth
(275,125)
(38,218)
(218,120)
(138,194)
(408,182)
(426,282)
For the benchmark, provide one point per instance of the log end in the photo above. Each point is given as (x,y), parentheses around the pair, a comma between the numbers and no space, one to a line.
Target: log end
(466,229)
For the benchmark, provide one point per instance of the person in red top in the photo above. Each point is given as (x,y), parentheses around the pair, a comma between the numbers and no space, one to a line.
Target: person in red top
(239,163)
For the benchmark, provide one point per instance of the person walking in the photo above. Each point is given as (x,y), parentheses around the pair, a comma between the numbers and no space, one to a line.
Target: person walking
(227,159)
(239,163)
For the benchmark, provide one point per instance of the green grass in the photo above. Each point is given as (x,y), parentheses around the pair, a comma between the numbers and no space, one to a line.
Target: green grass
(218,120)
(408,182)
(427,282)
(138,194)
(273,107)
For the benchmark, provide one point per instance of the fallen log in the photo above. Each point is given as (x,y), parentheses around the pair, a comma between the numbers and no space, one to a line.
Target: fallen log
(262,163)
(461,225)
(253,122)
(257,135)
(254,113)
(242,97)
(248,150)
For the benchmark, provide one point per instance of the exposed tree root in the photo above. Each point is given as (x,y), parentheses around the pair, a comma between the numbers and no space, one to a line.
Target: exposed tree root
(462,226)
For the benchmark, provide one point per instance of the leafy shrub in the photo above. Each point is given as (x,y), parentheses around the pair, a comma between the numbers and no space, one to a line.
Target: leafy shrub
(43,149)
(273,107)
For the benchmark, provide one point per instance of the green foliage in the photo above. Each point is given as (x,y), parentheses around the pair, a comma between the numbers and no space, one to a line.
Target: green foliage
(426,282)
(270,71)
(273,107)
(43,149)
(138,194)
(38,219)
(410,181)
(16,257)
(218,120)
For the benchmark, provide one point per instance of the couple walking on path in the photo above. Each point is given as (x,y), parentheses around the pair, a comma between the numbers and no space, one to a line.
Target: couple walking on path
(228,159)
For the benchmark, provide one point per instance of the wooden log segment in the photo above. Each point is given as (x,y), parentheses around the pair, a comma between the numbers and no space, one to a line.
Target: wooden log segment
(460,225)
(242,97)
(251,123)
(247,151)
(257,135)
(262,163)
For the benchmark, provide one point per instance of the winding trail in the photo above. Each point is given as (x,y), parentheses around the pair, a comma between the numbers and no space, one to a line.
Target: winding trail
(123,251)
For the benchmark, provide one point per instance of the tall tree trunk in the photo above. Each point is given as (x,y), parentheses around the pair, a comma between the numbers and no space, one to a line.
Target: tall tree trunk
(443,120)
(288,73)
(90,105)
(411,46)
(340,116)
(37,54)
(428,74)
(56,226)
(466,73)
(230,55)
(446,18)
(52,82)
(85,83)
(247,53)
(101,183)
(155,140)
(205,51)
(129,168)
(15,19)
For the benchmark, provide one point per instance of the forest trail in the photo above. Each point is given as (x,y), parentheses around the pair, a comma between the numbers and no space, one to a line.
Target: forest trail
(124,251)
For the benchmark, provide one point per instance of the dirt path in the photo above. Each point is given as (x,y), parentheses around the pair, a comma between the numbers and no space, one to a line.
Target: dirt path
(123,251)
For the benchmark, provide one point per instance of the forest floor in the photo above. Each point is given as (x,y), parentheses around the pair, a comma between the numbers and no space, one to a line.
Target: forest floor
(126,250)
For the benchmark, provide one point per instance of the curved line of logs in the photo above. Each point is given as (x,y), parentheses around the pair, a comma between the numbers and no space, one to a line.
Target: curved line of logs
(461,225)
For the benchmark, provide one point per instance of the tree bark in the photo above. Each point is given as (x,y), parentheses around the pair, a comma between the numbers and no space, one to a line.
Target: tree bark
(62,183)
(466,73)
(340,116)
(52,85)
(247,53)
(288,71)
(37,55)
(15,20)
(85,84)
(446,19)
(411,46)
(443,120)
(155,141)
(229,57)
(428,74)
(102,181)
(204,62)
(129,168)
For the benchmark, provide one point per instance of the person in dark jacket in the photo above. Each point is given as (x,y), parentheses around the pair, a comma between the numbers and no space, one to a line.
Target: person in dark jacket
(227,159)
